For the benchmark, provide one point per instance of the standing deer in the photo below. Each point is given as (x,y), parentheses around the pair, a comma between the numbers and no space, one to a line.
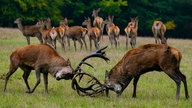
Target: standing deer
(76,33)
(131,32)
(159,30)
(29,30)
(93,33)
(43,59)
(112,31)
(98,21)
(51,34)
(150,57)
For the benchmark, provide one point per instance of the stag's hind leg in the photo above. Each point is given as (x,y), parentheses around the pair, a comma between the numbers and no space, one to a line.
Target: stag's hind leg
(174,75)
(12,69)
(183,79)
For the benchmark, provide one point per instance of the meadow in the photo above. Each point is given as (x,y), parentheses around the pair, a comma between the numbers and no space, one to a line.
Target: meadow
(154,90)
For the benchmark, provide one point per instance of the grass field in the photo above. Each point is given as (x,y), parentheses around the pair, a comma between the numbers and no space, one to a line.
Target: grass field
(155,89)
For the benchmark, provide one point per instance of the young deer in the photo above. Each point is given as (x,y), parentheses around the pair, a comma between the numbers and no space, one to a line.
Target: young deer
(159,30)
(98,21)
(112,31)
(131,32)
(29,30)
(93,33)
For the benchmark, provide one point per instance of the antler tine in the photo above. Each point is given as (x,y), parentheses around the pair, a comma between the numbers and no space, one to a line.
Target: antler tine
(84,91)
(99,53)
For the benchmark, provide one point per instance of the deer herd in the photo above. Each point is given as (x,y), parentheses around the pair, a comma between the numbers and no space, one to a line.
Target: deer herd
(47,34)
(44,59)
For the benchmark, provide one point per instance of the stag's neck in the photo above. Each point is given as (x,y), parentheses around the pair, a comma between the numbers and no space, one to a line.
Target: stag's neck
(20,26)
(136,24)
(89,26)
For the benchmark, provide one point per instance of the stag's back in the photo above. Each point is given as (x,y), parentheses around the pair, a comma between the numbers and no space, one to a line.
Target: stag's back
(149,57)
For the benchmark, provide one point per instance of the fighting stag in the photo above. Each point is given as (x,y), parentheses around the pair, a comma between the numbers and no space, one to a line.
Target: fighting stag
(95,87)
(43,59)
(146,58)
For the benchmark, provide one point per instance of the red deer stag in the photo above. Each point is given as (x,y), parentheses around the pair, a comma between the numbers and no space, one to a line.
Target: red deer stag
(131,32)
(76,33)
(29,30)
(138,61)
(112,31)
(93,33)
(98,21)
(159,30)
(43,59)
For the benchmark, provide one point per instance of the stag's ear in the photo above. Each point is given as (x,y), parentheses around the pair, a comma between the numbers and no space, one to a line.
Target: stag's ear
(106,75)
(136,18)
(98,9)
(68,62)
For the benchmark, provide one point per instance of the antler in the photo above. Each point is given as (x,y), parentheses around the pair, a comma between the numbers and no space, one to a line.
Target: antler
(99,53)
(94,86)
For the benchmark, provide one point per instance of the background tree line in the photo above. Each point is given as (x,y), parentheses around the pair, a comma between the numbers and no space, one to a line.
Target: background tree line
(176,14)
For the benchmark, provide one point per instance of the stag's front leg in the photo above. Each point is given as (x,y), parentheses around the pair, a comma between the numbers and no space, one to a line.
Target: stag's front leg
(110,39)
(127,41)
(39,36)
(81,43)
(54,43)
(75,45)
(68,41)
(38,81)
(28,40)
(135,81)
(90,44)
(25,77)
(96,44)
(45,76)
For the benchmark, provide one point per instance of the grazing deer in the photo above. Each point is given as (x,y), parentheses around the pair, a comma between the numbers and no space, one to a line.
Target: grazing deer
(76,33)
(112,31)
(43,59)
(98,21)
(29,30)
(93,33)
(159,30)
(131,32)
(146,58)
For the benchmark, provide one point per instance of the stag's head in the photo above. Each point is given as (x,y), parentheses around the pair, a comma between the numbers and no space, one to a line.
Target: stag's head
(86,22)
(111,83)
(18,20)
(95,12)
(66,72)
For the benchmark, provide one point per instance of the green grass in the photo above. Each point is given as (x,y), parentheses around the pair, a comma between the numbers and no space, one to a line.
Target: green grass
(155,89)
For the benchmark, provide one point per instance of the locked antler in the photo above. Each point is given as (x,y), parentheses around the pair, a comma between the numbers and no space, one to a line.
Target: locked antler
(94,87)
